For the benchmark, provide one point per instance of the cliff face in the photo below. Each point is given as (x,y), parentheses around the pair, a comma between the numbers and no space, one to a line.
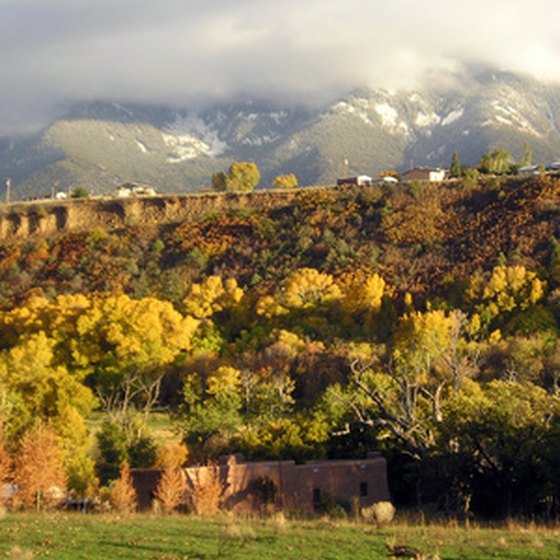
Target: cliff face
(47,218)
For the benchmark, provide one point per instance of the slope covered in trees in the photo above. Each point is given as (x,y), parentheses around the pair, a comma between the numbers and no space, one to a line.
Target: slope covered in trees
(422,321)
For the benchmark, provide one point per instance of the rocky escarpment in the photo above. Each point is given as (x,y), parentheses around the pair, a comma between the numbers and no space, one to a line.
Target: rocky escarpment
(27,219)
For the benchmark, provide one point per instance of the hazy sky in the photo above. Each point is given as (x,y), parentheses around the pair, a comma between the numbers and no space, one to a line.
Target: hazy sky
(188,51)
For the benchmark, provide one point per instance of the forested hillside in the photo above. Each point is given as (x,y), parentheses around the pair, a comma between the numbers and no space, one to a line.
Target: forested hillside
(421,321)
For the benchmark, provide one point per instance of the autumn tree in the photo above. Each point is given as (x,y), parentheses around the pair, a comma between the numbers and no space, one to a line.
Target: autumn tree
(212,296)
(402,391)
(307,288)
(6,470)
(205,490)
(242,176)
(38,471)
(171,454)
(123,495)
(128,344)
(505,290)
(171,488)
(35,386)
(363,296)
(289,181)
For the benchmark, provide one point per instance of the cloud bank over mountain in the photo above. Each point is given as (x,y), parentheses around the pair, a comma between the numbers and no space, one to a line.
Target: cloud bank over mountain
(187,52)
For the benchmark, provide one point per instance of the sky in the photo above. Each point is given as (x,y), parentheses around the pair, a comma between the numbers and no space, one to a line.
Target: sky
(188,53)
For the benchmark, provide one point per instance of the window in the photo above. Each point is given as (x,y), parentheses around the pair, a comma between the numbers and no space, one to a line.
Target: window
(363,489)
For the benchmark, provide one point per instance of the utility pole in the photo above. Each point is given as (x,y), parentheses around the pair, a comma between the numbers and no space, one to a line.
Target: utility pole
(8,189)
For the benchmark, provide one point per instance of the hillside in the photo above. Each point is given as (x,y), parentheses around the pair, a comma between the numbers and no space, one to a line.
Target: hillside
(99,145)
(421,320)
(414,235)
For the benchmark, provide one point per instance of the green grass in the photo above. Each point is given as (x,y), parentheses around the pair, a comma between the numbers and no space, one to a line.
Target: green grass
(159,426)
(76,536)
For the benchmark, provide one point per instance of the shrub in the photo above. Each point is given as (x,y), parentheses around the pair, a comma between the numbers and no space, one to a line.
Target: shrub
(381,513)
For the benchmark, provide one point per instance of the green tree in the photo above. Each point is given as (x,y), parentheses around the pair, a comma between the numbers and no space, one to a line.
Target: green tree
(80,192)
(497,162)
(527,157)
(456,169)
(219,181)
(401,390)
(495,441)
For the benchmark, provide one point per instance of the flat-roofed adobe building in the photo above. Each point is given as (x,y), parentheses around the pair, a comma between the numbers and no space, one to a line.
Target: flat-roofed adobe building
(424,174)
(283,485)
(360,180)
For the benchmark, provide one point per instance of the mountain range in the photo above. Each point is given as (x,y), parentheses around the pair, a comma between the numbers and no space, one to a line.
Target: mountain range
(101,144)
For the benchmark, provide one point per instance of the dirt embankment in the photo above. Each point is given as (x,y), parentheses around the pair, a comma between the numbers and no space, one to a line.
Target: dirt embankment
(49,217)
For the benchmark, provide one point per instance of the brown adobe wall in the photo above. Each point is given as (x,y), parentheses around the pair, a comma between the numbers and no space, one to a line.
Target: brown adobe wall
(295,486)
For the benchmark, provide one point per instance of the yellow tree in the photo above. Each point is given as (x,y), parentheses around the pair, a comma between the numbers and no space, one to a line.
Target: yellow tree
(363,295)
(212,296)
(33,386)
(307,288)
(289,181)
(128,345)
(505,290)
(243,176)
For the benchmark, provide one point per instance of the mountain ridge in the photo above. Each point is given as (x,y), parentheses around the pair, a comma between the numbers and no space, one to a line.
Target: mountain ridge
(98,145)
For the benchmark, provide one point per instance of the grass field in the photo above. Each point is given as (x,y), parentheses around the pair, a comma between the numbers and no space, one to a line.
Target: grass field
(78,536)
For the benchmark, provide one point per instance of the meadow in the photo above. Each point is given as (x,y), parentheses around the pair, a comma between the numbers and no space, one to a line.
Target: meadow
(77,536)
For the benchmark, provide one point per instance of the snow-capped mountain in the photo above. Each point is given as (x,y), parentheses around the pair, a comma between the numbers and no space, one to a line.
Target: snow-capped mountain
(99,145)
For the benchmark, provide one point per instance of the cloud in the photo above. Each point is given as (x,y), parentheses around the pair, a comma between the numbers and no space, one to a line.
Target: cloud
(189,51)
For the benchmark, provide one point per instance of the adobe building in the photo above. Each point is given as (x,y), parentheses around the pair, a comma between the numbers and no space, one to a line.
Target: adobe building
(282,484)
(424,174)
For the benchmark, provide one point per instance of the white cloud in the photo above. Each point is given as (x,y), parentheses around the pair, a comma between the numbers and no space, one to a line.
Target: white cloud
(188,51)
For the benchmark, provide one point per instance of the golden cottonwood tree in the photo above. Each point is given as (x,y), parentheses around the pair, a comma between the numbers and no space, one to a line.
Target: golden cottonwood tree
(212,296)
(33,386)
(507,289)
(128,345)
(307,288)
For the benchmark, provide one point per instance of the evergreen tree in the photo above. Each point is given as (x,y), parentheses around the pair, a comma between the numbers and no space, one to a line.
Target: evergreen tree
(456,169)
(527,158)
